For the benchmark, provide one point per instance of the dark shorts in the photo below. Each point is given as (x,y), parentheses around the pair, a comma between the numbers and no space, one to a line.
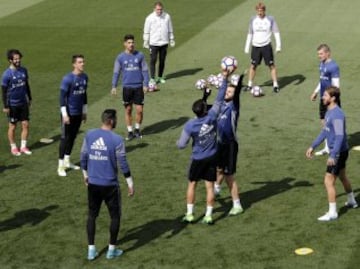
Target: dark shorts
(109,194)
(258,53)
(227,157)
(203,169)
(18,113)
(133,96)
(340,164)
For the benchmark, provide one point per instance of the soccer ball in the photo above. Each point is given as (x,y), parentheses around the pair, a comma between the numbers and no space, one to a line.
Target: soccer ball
(256,91)
(152,86)
(213,80)
(229,63)
(200,84)
(220,80)
(234,79)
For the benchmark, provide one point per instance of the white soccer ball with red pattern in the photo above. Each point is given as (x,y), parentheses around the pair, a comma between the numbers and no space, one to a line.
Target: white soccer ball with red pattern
(229,63)
(256,91)
(200,84)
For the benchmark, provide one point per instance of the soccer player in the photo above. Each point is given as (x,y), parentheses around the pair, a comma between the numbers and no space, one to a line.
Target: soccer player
(135,79)
(158,34)
(329,76)
(102,152)
(228,144)
(16,96)
(202,130)
(334,131)
(73,107)
(261,28)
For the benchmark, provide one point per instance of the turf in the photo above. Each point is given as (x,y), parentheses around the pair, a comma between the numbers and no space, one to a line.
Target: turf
(42,216)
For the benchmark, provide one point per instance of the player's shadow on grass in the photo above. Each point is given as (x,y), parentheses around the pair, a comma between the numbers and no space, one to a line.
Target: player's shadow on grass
(131,147)
(287,80)
(344,208)
(182,73)
(31,216)
(143,234)
(39,144)
(354,139)
(8,167)
(164,125)
(267,190)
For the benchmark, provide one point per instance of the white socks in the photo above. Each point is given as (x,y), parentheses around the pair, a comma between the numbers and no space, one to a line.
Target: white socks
(209,210)
(236,203)
(190,209)
(351,198)
(332,208)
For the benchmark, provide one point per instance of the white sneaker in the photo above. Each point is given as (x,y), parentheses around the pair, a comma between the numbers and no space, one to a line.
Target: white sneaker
(322,152)
(61,171)
(351,205)
(71,165)
(328,217)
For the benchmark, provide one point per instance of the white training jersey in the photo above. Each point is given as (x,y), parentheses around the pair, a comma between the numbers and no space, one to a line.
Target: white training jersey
(158,30)
(260,30)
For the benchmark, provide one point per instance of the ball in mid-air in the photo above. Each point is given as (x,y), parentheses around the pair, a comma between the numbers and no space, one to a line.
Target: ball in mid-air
(229,63)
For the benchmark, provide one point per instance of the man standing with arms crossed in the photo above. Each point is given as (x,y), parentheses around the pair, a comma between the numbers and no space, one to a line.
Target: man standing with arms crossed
(329,76)
(259,36)
(73,107)
(16,97)
(102,152)
(158,34)
(135,79)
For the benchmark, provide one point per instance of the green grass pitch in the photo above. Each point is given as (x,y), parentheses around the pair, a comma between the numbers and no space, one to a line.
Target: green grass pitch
(42,216)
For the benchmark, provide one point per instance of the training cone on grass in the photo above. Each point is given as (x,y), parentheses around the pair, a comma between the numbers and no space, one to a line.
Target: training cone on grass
(46,140)
(357,148)
(303,251)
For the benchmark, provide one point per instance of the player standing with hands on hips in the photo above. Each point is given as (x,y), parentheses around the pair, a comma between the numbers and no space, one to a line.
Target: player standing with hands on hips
(16,96)
(158,34)
(73,107)
(261,28)
(102,152)
(135,79)
(334,131)
(329,76)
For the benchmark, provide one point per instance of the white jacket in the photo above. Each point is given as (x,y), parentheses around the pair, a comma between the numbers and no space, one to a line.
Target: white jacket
(158,30)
